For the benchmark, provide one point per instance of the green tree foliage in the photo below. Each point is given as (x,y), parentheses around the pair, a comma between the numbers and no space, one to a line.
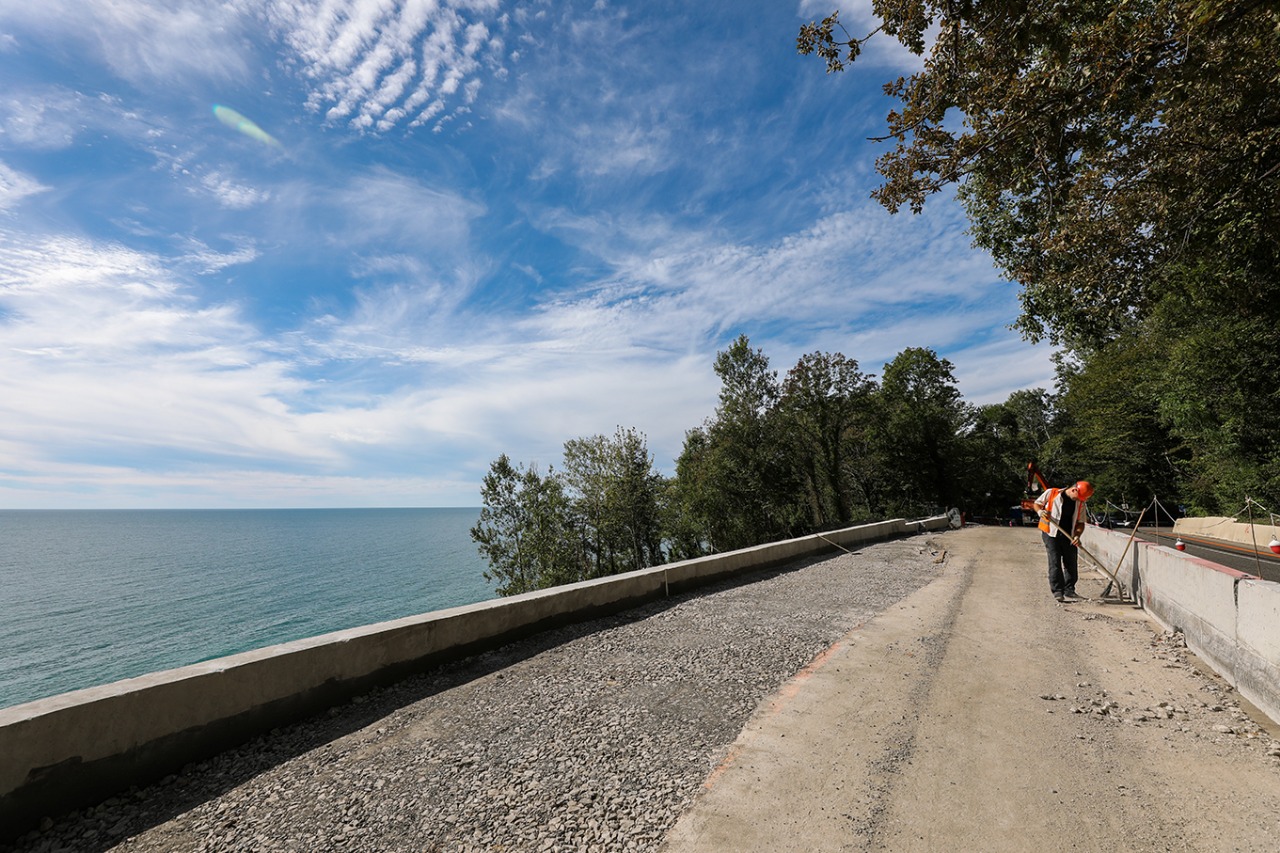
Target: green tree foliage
(826,447)
(990,489)
(921,420)
(1030,414)
(1216,390)
(740,490)
(1121,162)
(602,515)
(1102,143)
(690,512)
(830,446)
(1111,431)
(617,497)
(825,413)
(1003,438)
(525,529)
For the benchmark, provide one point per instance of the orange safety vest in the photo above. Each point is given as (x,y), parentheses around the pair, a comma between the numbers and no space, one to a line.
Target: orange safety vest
(1070,528)
(1048,508)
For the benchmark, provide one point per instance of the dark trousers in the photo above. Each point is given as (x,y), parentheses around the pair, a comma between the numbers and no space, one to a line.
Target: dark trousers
(1062,564)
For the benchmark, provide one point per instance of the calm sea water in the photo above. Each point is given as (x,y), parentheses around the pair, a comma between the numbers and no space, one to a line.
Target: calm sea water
(90,597)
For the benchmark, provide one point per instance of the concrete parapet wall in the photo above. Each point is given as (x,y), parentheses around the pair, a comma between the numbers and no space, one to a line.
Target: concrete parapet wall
(1257,534)
(80,747)
(1229,618)
(1258,633)
(1114,551)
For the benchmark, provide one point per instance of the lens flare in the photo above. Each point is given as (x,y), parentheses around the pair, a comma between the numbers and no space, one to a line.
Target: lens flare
(235,121)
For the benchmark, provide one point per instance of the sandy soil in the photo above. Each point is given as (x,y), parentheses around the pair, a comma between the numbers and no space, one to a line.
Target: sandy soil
(981,715)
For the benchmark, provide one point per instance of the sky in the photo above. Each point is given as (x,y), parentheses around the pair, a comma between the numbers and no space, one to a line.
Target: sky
(344,253)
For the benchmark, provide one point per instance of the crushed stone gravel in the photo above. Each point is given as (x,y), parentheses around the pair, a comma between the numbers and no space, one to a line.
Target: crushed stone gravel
(593,737)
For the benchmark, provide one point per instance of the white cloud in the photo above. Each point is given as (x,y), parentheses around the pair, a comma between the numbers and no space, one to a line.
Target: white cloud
(845,270)
(636,348)
(93,486)
(393,340)
(105,351)
(991,371)
(43,118)
(604,99)
(15,186)
(233,194)
(621,148)
(118,385)
(386,206)
(366,62)
(407,248)
(102,346)
(144,41)
(204,260)
(376,63)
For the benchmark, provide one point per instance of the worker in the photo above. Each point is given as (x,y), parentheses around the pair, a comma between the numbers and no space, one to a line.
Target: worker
(1062,516)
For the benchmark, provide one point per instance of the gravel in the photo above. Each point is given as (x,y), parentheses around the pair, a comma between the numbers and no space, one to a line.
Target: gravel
(591,737)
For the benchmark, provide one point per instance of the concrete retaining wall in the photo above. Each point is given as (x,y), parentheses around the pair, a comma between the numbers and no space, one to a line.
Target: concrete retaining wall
(78,748)
(1229,618)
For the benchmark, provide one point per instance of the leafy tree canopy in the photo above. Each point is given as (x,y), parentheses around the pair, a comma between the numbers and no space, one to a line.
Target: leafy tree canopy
(1099,146)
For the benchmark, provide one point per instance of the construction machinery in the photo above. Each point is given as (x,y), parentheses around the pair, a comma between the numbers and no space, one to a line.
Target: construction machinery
(1034,479)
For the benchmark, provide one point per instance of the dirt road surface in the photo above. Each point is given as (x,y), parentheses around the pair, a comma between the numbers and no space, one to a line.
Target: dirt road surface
(981,715)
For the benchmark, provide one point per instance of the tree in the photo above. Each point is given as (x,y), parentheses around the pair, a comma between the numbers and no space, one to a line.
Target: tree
(691,505)
(748,388)
(1111,431)
(1031,414)
(1098,145)
(602,516)
(1002,439)
(525,529)
(1121,162)
(587,474)
(1215,387)
(824,409)
(741,490)
(921,418)
(616,496)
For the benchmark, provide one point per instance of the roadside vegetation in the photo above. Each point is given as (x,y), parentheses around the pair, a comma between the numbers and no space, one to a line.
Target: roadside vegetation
(1121,164)
(822,447)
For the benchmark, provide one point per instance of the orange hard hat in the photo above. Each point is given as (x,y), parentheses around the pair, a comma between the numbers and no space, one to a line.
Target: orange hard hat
(1084,489)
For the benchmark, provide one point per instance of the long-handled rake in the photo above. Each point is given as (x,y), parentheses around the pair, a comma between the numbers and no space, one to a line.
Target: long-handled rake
(1110,575)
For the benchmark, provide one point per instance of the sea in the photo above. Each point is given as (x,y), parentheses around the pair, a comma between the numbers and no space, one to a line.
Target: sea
(88,597)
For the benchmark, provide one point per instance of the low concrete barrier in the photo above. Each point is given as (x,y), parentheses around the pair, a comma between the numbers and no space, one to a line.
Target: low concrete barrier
(78,748)
(1229,618)
(1257,669)
(1256,535)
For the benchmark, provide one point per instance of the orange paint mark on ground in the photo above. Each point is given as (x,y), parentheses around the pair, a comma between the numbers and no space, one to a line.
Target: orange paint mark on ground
(778,701)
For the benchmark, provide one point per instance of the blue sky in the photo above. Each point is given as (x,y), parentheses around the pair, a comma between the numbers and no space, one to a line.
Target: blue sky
(464,228)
